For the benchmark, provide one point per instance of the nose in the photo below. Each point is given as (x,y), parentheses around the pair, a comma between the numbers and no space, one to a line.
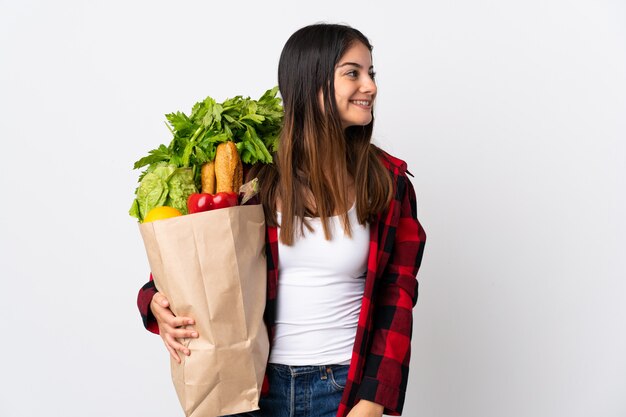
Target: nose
(368,86)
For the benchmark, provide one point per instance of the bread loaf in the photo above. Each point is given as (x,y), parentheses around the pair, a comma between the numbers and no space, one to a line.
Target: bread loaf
(207,176)
(228,168)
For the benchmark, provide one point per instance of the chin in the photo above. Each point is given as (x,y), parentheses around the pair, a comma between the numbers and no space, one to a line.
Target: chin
(361,122)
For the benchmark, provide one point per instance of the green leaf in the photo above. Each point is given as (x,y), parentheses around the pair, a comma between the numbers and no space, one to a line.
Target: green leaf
(159,154)
(249,148)
(181,185)
(219,138)
(201,156)
(207,120)
(134,210)
(256,118)
(177,160)
(201,108)
(152,192)
(246,156)
(179,121)
(269,95)
(187,153)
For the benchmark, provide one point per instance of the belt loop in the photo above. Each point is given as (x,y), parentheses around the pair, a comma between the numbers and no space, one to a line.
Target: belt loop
(324,373)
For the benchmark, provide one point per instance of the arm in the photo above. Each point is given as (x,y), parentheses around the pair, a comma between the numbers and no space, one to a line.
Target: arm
(144,298)
(387,361)
(159,319)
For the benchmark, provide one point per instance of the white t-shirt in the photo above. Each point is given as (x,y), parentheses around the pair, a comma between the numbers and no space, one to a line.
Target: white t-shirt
(320,288)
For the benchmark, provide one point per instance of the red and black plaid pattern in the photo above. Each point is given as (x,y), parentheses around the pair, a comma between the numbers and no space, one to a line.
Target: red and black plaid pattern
(143,302)
(380,359)
(379,367)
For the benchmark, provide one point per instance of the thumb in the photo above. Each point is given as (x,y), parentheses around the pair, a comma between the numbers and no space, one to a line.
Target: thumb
(161,300)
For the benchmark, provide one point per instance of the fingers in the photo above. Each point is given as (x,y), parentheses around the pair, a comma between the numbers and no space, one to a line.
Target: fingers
(174,321)
(172,328)
(183,333)
(172,352)
(170,337)
(171,342)
(162,313)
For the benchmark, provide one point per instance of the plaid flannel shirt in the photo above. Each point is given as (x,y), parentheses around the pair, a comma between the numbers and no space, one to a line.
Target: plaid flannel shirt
(379,367)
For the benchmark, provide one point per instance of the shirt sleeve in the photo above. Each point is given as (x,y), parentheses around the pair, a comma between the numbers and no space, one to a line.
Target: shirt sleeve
(387,362)
(143,303)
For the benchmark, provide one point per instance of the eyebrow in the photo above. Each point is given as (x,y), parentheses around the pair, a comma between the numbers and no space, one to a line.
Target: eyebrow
(354,64)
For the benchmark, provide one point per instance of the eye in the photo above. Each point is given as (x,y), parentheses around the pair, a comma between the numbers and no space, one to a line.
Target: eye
(373,75)
(352,73)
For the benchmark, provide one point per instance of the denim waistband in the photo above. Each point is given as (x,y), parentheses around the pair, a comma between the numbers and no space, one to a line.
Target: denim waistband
(291,370)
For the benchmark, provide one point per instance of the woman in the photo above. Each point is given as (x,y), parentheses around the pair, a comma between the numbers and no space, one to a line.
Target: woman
(341,214)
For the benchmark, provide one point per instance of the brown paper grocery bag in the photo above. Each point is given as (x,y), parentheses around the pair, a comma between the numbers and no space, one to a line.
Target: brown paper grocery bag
(211,267)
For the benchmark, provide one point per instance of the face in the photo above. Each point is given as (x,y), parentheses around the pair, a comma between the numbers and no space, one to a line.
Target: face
(355,89)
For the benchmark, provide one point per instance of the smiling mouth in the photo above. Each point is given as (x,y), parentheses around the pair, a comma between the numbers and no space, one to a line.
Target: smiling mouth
(362,103)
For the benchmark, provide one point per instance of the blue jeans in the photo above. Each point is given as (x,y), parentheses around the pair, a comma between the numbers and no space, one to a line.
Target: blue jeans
(311,391)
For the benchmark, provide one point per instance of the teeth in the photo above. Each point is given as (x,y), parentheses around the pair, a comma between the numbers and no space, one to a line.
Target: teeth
(361,102)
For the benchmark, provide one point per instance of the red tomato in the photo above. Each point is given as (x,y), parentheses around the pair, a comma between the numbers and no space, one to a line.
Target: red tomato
(199,202)
(224,199)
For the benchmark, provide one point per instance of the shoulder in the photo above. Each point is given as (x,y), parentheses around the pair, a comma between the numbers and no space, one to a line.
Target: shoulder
(396,166)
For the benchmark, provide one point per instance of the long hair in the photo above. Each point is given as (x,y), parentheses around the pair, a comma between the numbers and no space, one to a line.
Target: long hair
(316,157)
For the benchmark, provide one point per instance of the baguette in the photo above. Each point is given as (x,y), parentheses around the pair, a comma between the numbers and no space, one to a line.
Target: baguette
(207,177)
(228,168)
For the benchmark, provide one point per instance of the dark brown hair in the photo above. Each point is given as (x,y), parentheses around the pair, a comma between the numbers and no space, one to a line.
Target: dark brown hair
(316,157)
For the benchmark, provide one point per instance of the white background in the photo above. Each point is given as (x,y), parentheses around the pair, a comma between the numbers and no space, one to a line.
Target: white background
(511,115)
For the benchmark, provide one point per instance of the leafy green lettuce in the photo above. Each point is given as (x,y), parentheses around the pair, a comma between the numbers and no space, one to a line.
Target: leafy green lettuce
(163,185)
(181,186)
